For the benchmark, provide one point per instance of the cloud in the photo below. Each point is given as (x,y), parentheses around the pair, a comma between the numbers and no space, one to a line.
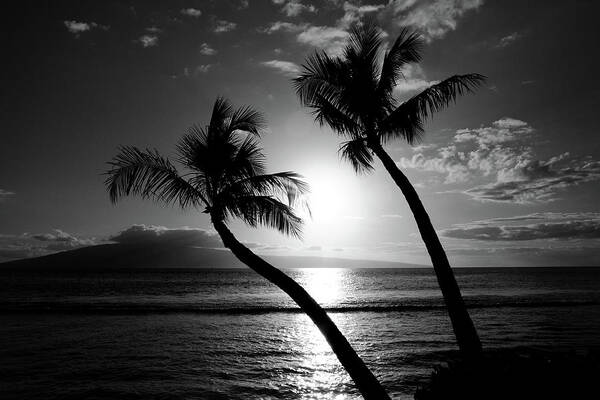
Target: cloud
(558,226)
(354,13)
(293,8)
(206,50)
(280,26)
(503,154)
(414,80)
(224,26)
(191,12)
(148,40)
(391,216)
(353,217)
(159,235)
(76,27)
(433,18)
(286,68)
(5,194)
(39,244)
(509,39)
(203,69)
(195,72)
(330,39)
(314,248)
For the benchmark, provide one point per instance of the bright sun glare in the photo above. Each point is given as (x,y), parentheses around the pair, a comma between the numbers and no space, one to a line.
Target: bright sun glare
(334,194)
(324,284)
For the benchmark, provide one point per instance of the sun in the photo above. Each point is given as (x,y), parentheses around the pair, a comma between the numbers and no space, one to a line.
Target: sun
(334,194)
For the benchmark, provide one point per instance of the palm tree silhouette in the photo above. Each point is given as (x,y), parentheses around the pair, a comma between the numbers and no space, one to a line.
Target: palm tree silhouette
(353,94)
(226,178)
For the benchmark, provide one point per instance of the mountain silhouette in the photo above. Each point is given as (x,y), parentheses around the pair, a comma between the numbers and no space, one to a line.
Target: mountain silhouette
(138,256)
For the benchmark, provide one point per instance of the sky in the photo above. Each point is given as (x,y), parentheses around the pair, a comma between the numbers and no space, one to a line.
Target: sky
(509,174)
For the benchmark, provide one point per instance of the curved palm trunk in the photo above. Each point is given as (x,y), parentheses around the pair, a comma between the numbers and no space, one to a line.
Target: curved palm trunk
(464,330)
(366,382)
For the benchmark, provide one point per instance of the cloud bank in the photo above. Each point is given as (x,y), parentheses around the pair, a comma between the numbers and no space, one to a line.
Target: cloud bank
(159,235)
(538,226)
(504,155)
(39,244)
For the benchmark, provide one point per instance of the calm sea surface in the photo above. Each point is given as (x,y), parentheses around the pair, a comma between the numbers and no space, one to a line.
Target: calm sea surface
(229,334)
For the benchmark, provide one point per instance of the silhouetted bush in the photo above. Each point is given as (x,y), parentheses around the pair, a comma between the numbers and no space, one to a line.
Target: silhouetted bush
(516,375)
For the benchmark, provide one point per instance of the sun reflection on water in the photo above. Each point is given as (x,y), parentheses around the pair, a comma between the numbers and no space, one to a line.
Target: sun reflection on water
(324,284)
(321,374)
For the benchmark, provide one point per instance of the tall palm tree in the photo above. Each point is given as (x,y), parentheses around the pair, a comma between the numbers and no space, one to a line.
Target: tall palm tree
(354,95)
(226,179)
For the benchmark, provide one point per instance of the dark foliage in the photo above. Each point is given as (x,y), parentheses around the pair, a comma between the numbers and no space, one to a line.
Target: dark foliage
(516,376)
(225,173)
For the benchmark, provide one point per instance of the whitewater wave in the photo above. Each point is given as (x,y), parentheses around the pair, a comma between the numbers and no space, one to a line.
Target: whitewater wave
(135,309)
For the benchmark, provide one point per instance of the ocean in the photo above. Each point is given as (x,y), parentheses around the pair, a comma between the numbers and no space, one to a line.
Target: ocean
(229,334)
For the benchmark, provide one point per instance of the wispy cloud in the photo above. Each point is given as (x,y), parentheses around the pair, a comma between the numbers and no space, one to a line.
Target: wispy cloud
(78,27)
(330,39)
(293,8)
(433,18)
(536,226)
(509,39)
(354,13)
(4,194)
(224,26)
(148,40)
(206,50)
(153,29)
(280,26)
(191,12)
(286,68)
(203,68)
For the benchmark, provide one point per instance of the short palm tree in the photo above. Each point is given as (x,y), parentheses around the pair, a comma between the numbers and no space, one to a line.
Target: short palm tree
(354,95)
(226,178)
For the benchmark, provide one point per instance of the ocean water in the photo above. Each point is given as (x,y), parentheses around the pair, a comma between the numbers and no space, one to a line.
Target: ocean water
(229,334)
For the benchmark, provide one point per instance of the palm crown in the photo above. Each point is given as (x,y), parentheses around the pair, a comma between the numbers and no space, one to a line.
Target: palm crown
(225,173)
(354,94)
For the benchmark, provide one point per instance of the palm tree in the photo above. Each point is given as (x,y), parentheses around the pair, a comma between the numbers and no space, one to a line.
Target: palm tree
(354,95)
(226,178)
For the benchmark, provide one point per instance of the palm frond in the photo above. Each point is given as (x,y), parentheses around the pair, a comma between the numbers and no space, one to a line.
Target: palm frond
(365,41)
(322,76)
(441,95)
(358,154)
(338,119)
(405,126)
(407,119)
(248,120)
(361,57)
(192,148)
(283,185)
(247,160)
(405,50)
(222,111)
(267,211)
(149,175)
